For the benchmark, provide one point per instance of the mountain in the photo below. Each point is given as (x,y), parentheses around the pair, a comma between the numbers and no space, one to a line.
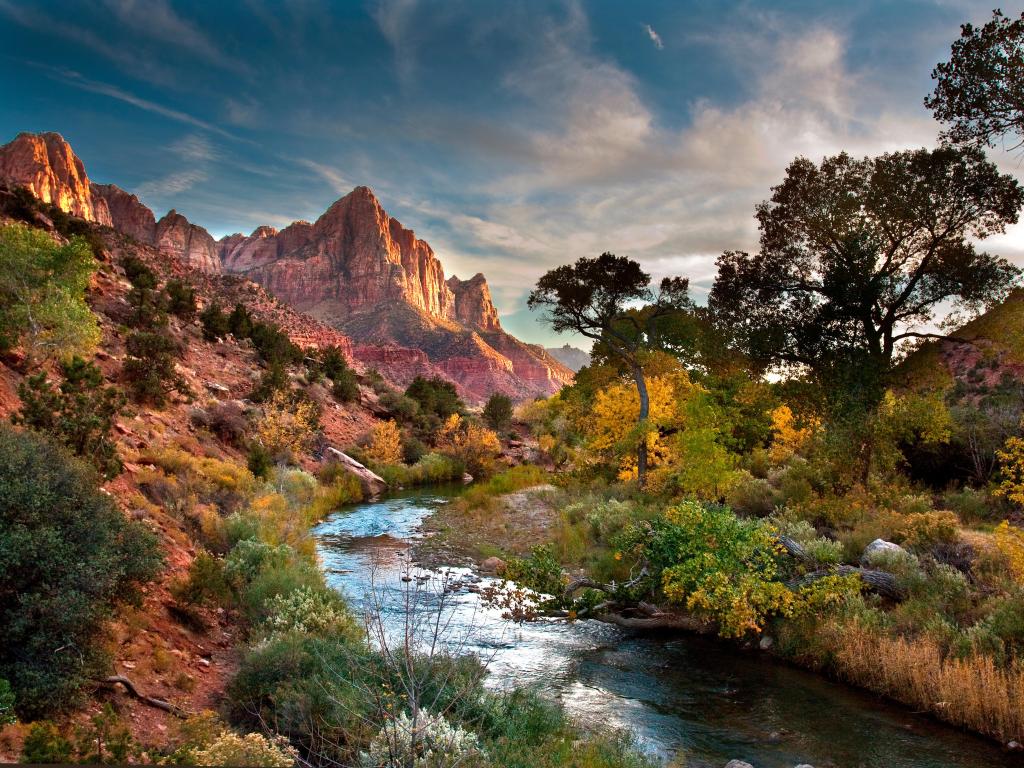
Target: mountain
(572,358)
(355,268)
(359,270)
(49,168)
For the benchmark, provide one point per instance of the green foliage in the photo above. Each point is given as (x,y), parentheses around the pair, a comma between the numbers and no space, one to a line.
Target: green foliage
(181,299)
(46,744)
(345,386)
(540,571)
(431,469)
(42,294)
(214,321)
(498,412)
(68,553)
(6,703)
(205,583)
(149,369)
(240,322)
(138,273)
(259,461)
(79,414)
(274,378)
(435,396)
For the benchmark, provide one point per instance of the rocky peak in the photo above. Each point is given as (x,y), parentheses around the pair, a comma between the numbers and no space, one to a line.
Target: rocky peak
(189,242)
(473,306)
(127,213)
(49,168)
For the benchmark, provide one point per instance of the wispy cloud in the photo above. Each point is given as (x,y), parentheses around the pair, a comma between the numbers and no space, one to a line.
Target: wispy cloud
(396,21)
(171,184)
(654,36)
(332,176)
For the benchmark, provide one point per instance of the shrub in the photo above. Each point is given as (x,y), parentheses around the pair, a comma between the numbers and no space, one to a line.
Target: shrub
(227,421)
(68,554)
(240,322)
(46,744)
(274,345)
(6,703)
(752,496)
(288,426)
(345,387)
(922,531)
(205,583)
(42,294)
(149,369)
(498,412)
(273,379)
(311,611)
(138,272)
(475,446)
(430,741)
(214,321)
(181,299)
(259,461)
(253,749)
(399,406)
(385,443)
(79,414)
(435,396)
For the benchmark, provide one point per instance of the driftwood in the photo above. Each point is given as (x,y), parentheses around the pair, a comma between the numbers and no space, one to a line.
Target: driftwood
(882,582)
(129,686)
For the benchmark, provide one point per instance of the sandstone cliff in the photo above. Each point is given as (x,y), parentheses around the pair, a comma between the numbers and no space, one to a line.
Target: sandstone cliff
(46,165)
(359,270)
(50,169)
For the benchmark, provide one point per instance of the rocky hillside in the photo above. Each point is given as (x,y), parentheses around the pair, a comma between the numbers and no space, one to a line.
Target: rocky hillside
(356,268)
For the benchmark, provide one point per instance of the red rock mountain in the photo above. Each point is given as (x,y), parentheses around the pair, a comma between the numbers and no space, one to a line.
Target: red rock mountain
(49,168)
(356,268)
(359,270)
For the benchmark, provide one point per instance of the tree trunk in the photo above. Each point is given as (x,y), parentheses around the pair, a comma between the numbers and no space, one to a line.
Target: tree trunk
(645,410)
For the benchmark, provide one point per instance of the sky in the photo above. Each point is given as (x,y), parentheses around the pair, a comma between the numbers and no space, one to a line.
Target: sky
(511,136)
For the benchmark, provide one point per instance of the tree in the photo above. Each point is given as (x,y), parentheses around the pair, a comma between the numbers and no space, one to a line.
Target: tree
(181,299)
(472,444)
(592,297)
(436,396)
(498,412)
(149,369)
(288,426)
(979,92)
(79,414)
(215,322)
(857,256)
(67,554)
(42,294)
(386,443)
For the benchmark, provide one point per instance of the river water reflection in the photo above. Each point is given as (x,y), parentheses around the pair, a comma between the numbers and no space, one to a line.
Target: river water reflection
(672,692)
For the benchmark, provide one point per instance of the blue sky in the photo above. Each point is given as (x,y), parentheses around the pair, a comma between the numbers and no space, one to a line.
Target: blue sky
(511,136)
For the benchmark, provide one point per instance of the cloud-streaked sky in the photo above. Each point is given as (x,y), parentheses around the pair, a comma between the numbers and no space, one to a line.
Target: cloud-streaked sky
(512,136)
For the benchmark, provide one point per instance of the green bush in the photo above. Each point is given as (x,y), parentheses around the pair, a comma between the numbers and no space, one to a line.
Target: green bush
(45,744)
(6,703)
(181,299)
(67,553)
(259,461)
(498,412)
(240,322)
(42,294)
(138,272)
(149,370)
(214,321)
(205,583)
(79,414)
(345,387)
(435,396)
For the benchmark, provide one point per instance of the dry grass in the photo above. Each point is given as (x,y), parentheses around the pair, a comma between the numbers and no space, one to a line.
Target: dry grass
(974,692)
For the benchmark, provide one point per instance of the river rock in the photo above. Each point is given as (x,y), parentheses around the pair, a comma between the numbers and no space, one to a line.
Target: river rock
(493,565)
(880,547)
(765,643)
(372,483)
(738,764)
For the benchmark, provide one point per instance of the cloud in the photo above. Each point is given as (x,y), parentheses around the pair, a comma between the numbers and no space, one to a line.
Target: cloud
(332,176)
(171,184)
(654,36)
(396,20)
(156,19)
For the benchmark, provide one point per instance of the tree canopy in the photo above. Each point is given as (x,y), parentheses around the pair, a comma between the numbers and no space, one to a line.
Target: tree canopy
(857,256)
(979,92)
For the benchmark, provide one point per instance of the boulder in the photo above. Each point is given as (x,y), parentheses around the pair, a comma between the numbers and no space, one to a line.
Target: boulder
(493,565)
(880,547)
(738,764)
(372,483)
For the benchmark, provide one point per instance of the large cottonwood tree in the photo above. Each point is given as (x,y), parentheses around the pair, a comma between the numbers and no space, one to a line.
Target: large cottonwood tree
(609,299)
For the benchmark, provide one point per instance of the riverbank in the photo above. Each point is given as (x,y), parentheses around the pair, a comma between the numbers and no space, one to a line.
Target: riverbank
(911,672)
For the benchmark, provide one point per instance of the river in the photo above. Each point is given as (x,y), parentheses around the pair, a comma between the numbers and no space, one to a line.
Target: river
(673,692)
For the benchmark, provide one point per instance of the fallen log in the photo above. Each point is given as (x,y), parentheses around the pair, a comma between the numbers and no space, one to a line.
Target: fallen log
(134,692)
(882,582)
(658,621)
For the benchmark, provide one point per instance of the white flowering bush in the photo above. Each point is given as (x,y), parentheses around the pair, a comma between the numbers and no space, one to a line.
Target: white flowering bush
(307,611)
(253,749)
(432,743)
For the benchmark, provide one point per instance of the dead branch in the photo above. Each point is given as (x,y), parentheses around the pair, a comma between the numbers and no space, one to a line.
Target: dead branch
(129,686)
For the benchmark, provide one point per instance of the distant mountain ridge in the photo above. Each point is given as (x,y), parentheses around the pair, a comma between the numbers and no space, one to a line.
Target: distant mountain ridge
(355,268)
(571,357)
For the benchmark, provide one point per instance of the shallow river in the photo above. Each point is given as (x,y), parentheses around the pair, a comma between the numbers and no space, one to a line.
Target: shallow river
(672,692)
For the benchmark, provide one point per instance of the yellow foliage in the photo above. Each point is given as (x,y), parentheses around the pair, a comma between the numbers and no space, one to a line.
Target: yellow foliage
(1010,541)
(1012,459)
(287,426)
(789,438)
(386,443)
(475,446)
